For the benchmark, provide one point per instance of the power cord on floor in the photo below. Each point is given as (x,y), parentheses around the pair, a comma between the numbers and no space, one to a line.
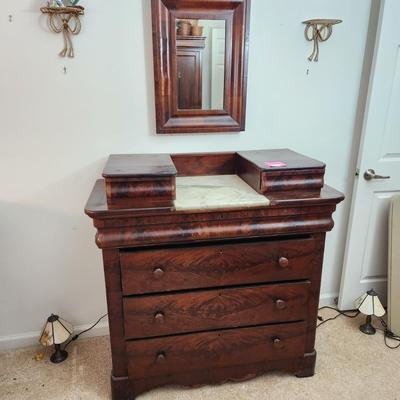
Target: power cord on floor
(387,334)
(75,337)
(336,316)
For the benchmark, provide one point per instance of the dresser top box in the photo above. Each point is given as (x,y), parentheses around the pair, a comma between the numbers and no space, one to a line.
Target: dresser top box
(291,159)
(139,165)
(274,171)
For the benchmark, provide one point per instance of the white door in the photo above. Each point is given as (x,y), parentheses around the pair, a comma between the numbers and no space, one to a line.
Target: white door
(365,263)
(217,68)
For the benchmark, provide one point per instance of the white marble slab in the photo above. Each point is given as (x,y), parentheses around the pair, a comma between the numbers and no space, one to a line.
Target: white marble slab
(215,191)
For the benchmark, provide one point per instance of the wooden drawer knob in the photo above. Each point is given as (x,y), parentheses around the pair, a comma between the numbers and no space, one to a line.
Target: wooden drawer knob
(283,262)
(280,304)
(277,342)
(158,273)
(159,317)
(161,357)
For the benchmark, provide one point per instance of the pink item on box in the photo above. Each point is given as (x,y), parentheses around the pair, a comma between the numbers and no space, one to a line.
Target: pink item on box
(275,164)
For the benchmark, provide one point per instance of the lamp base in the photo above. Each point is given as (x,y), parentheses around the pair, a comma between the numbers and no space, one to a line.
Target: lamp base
(367,328)
(59,355)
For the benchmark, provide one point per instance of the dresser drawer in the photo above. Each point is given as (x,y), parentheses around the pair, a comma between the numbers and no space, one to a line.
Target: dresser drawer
(213,309)
(217,349)
(171,269)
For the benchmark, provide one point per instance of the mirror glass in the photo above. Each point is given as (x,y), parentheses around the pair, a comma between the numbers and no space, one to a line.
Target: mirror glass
(200,52)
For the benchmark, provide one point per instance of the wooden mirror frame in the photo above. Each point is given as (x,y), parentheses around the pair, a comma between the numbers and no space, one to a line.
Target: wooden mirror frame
(169,119)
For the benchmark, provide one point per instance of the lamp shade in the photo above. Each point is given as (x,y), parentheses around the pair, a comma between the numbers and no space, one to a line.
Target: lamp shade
(369,304)
(55,331)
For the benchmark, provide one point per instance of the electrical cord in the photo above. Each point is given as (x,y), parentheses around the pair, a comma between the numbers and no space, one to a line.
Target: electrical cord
(336,316)
(387,334)
(75,337)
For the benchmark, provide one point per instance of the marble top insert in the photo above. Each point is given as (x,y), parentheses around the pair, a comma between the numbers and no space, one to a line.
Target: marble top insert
(215,191)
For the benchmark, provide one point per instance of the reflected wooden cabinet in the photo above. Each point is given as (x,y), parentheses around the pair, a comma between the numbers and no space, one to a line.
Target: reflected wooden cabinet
(189,61)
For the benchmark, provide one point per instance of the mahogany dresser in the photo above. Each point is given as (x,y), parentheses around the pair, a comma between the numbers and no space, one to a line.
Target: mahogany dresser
(212,265)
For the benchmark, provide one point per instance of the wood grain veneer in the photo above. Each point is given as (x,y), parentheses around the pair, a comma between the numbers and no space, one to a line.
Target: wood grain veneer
(216,265)
(232,347)
(167,314)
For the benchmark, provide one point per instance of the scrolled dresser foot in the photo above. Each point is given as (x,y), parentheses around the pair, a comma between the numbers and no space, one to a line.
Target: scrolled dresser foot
(307,368)
(306,372)
(120,388)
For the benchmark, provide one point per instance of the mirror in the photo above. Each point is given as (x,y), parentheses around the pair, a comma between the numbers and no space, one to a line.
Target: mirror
(200,61)
(200,52)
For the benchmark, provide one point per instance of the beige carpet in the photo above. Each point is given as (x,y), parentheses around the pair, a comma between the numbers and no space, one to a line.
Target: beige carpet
(350,365)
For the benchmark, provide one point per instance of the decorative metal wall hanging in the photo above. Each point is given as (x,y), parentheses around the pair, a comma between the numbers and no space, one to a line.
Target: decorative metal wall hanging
(65,19)
(318,30)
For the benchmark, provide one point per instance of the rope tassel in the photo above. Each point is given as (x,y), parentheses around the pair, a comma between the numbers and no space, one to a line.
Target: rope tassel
(66,21)
(318,31)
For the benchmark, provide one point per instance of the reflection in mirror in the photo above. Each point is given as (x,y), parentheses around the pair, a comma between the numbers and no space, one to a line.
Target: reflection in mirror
(200,52)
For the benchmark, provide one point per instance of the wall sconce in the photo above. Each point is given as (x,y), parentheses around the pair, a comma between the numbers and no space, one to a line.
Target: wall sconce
(319,30)
(65,19)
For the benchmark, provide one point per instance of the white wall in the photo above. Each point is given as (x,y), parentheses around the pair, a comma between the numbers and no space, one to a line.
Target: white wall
(58,129)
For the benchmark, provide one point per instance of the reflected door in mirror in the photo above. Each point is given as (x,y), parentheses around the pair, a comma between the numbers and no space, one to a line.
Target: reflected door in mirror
(189,58)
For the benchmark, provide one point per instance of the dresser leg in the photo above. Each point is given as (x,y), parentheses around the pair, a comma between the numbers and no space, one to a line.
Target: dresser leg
(308,365)
(120,389)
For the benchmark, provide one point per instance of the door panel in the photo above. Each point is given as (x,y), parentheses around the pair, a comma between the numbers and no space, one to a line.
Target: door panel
(391,146)
(189,80)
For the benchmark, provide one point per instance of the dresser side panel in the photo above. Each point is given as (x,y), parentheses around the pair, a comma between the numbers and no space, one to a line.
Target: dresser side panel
(112,273)
(313,299)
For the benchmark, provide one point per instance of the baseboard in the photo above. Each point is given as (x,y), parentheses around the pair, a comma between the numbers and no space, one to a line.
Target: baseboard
(328,299)
(29,339)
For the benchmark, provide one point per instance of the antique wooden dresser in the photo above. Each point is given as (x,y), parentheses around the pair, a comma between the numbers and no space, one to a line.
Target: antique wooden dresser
(212,265)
